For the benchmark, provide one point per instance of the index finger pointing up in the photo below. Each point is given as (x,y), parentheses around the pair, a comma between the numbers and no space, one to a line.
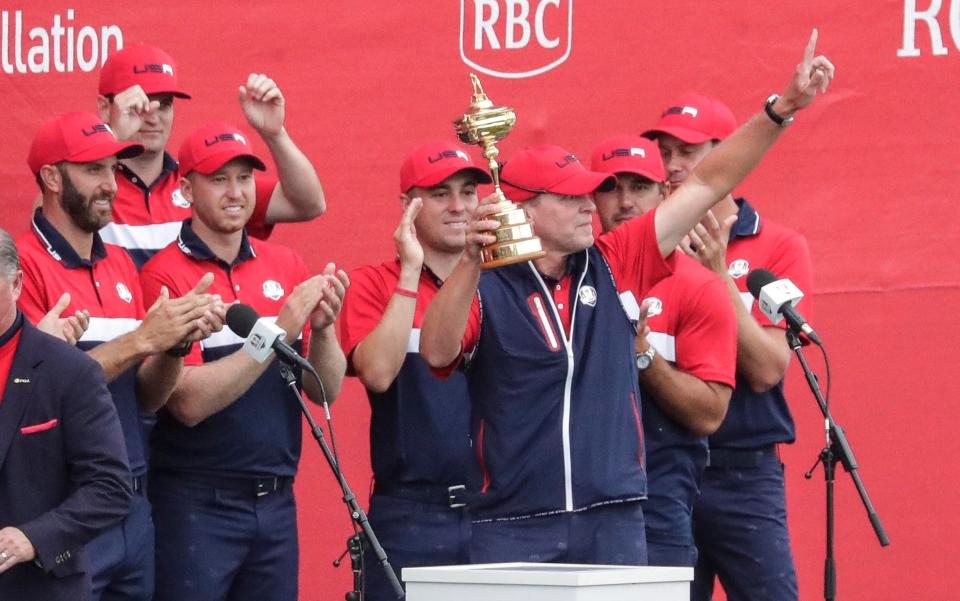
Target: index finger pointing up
(811,48)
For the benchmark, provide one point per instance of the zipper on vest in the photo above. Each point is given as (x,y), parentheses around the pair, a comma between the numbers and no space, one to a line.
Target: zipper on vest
(568,381)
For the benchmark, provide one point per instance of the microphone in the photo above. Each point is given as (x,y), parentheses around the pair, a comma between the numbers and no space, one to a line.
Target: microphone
(778,299)
(263,337)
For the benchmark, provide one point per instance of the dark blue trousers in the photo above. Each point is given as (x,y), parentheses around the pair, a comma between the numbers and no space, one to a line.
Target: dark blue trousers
(669,519)
(413,534)
(121,559)
(609,534)
(223,544)
(740,526)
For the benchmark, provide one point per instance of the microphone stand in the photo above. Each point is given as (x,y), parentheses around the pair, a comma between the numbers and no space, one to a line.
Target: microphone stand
(836,450)
(356,512)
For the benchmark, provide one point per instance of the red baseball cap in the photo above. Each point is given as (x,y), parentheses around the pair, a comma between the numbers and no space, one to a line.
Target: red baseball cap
(629,154)
(430,164)
(77,138)
(695,118)
(552,169)
(212,146)
(152,68)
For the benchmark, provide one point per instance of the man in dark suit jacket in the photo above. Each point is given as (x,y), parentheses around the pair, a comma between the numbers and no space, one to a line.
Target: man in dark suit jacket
(64,476)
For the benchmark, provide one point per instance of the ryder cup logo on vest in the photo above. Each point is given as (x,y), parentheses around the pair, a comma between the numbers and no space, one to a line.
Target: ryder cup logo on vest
(738,268)
(272,290)
(124,293)
(515,38)
(588,296)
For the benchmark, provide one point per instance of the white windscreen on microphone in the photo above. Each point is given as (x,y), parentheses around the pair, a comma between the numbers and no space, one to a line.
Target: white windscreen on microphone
(775,295)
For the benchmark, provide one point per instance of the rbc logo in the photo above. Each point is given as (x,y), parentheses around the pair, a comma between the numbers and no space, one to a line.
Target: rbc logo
(515,38)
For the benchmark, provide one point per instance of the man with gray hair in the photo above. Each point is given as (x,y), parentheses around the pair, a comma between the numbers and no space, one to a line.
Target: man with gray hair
(58,431)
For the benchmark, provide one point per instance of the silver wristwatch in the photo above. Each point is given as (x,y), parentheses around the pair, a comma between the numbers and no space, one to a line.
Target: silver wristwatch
(645,359)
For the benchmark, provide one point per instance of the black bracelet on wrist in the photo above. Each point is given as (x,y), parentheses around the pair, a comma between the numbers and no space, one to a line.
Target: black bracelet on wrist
(181,350)
(778,119)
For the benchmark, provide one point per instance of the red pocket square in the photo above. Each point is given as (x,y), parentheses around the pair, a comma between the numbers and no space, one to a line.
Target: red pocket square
(39,427)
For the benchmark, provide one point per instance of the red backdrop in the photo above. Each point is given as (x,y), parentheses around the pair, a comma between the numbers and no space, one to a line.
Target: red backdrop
(867,175)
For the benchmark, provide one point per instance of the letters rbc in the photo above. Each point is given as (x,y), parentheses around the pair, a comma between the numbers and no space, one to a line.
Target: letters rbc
(517,26)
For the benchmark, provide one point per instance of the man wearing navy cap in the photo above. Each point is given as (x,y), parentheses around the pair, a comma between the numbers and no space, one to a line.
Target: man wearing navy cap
(552,376)
(423,463)
(137,89)
(73,158)
(686,362)
(227,445)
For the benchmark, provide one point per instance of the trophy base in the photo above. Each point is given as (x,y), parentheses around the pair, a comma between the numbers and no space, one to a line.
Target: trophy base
(508,253)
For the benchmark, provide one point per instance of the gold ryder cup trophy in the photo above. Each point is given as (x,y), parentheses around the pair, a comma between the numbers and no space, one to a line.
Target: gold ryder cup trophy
(485,124)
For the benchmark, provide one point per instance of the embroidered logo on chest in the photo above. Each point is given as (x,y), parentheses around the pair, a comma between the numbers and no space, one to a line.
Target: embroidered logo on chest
(124,293)
(178,199)
(272,290)
(655,308)
(738,268)
(588,296)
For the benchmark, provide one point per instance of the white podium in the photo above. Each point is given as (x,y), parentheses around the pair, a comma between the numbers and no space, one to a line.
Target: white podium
(547,582)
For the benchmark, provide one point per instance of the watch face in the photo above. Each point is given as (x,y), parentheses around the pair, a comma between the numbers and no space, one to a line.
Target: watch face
(643,361)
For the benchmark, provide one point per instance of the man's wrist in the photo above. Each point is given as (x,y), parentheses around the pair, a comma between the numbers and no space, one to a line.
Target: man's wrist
(783,107)
(274,139)
(181,350)
(142,346)
(409,277)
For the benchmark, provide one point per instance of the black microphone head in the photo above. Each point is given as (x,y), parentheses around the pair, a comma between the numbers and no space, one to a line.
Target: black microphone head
(240,319)
(757,279)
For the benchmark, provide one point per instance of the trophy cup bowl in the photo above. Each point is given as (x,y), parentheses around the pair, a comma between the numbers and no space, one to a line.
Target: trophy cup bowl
(485,124)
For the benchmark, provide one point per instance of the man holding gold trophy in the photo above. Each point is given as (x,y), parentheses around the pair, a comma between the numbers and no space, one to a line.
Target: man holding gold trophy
(552,372)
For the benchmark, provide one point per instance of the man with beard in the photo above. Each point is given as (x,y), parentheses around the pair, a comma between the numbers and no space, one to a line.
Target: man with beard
(686,363)
(73,158)
(423,463)
(137,91)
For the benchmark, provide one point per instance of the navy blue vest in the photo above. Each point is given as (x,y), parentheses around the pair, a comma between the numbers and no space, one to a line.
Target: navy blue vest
(420,429)
(557,421)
